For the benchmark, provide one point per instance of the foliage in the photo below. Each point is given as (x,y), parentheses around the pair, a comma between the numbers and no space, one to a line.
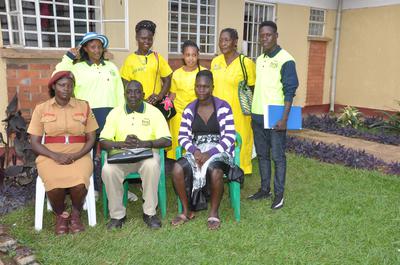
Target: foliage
(13,197)
(350,116)
(332,215)
(338,154)
(390,123)
(327,123)
(331,153)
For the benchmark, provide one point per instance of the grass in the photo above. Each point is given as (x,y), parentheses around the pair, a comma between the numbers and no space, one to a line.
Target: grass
(332,215)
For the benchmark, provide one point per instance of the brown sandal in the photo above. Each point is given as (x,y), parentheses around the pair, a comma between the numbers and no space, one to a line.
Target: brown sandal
(213,223)
(62,224)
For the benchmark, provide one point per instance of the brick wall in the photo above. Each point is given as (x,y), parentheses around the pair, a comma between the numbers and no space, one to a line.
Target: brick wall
(316,70)
(28,78)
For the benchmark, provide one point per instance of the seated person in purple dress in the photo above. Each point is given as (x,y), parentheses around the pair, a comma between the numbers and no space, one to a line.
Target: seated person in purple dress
(207,133)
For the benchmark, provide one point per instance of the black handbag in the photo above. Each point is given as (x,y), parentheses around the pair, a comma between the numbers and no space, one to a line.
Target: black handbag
(165,105)
(124,156)
(236,174)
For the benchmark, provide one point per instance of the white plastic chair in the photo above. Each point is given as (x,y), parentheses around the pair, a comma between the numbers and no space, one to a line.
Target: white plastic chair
(90,204)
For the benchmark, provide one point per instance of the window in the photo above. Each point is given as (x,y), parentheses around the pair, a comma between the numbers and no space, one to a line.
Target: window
(52,23)
(317,22)
(192,20)
(254,14)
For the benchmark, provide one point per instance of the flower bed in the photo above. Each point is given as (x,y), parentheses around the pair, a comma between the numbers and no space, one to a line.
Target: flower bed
(338,154)
(328,124)
(14,197)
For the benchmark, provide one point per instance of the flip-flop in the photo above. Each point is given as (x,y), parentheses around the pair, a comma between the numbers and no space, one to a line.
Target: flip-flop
(213,223)
(180,219)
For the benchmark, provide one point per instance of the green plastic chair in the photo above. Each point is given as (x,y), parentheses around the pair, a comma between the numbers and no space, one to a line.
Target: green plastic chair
(162,194)
(234,186)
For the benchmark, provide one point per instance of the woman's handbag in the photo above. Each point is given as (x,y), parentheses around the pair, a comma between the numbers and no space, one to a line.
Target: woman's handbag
(165,105)
(123,156)
(245,93)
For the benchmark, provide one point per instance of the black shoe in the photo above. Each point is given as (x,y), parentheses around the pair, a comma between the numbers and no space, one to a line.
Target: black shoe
(260,194)
(152,221)
(278,202)
(116,223)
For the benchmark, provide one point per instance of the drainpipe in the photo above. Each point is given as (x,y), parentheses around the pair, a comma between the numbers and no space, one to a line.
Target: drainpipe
(335,56)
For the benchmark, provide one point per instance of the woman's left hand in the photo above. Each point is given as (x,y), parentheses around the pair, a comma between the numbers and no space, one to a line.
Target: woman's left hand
(153,99)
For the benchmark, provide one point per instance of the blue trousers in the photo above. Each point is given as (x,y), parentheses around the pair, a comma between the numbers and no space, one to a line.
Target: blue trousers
(270,144)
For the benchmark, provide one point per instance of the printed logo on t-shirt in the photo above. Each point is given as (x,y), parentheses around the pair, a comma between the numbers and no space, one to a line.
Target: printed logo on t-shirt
(216,67)
(273,64)
(146,122)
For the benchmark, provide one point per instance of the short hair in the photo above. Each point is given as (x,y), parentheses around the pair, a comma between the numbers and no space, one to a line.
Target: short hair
(146,24)
(205,73)
(134,83)
(270,24)
(232,33)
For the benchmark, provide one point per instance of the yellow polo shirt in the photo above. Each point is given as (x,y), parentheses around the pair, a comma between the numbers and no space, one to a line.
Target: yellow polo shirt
(148,125)
(144,69)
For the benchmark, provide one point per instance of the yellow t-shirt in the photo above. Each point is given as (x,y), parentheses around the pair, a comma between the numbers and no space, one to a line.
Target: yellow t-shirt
(182,85)
(148,125)
(227,78)
(144,69)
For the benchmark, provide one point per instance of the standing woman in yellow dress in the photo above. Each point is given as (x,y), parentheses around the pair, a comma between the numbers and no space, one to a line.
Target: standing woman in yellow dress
(182,88)
(147,66)
(227,74)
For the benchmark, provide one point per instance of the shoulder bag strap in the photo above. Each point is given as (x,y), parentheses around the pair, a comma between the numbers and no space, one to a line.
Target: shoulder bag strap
(158,67)
(243,66)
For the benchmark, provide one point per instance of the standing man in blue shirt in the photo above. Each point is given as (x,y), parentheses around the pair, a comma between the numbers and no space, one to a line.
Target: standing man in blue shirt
(276,84)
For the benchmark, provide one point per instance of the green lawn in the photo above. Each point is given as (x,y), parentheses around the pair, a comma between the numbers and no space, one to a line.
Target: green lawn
(332,215)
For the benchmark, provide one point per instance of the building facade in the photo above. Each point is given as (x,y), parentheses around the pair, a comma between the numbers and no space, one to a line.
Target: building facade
(35,35)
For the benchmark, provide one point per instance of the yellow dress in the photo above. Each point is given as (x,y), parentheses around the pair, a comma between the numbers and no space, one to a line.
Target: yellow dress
(182,85)
(226,80)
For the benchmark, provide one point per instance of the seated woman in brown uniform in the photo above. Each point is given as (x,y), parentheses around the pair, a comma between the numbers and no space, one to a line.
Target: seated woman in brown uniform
(63,161)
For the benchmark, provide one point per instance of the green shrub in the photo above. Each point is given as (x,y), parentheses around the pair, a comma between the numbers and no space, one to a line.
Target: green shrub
(350,116)
(391,122)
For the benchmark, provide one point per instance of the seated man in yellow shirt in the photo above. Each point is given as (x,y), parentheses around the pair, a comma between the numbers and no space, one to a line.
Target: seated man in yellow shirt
(136,124)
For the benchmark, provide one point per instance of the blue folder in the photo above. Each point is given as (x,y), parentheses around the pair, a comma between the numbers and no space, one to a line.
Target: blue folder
(274,113)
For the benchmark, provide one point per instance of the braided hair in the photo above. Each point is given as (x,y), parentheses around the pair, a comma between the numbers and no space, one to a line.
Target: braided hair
(146,24)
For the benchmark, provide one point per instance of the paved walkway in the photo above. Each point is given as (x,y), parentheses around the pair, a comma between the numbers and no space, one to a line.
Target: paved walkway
(387,153)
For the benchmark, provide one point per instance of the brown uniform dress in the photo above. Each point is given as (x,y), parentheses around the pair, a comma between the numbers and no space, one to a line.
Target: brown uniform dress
(73,119)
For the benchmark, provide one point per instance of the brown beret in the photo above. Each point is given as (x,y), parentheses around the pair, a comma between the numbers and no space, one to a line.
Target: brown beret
(58,75)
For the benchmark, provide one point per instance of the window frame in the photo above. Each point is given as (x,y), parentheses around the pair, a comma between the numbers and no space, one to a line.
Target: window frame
(255,27)
(313,22)
(97,7)
(198,24)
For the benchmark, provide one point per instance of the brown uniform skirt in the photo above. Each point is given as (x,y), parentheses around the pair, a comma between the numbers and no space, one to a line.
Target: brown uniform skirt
(55,175)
